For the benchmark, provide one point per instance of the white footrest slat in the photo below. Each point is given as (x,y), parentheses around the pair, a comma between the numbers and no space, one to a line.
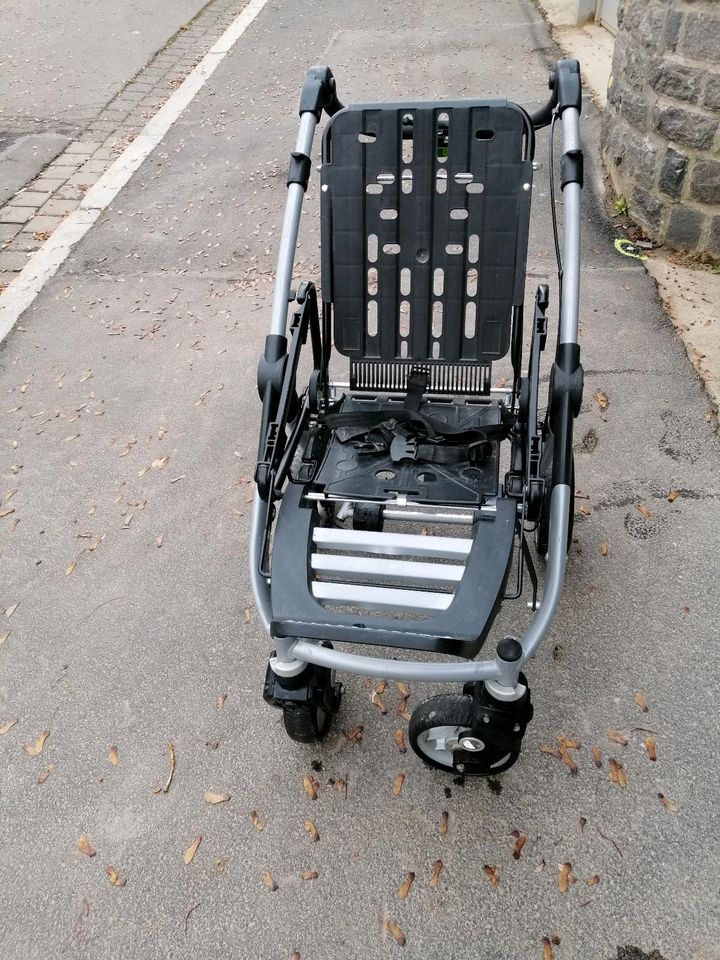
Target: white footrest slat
(400,571)
(392,544)
(380,598)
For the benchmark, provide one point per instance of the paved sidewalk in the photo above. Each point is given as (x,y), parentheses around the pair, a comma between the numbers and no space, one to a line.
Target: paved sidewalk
(128,431)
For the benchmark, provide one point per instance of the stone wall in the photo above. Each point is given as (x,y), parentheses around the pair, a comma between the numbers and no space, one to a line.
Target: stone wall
(661,128)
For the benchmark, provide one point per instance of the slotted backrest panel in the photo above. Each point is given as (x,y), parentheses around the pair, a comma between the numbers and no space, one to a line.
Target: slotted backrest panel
(425,237)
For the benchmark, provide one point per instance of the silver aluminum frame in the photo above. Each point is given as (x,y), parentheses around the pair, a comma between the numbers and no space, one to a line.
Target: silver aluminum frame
(305,651)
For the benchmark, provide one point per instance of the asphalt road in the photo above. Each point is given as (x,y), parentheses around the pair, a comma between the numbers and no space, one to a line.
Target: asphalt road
(144,347)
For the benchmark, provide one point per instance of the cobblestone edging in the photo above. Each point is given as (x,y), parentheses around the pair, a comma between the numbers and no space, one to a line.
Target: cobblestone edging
(661,128)
(30,217)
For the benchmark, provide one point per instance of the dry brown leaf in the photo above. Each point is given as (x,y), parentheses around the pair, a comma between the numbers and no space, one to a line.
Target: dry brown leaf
(160,462)
(641,508)
(213,744)
(45,774)
(553,751)
(597,756)
(310,786)
(673,495)
(593,880)
(403,690)
(115,879)
(583,824)
(404,714)
(641,701)
(436,871)
(601,399)
(668,803)
(113,756)
(395,932)
(355,735)
(568,743)
(492,874)
(309,875)
(406,884)
(267,880)
(547,949)
(222,697)
(617,737)
(312,830)
(70,567)
(568,760)
(341,786)
(159,540)
(256,821)
(585,511)
(617,773)
(4,637)
(192,850)
(33,749)
(7,512)
(217,797)
(520,841)
(377,702)
(401,710)
(8,725)
(11,610)
(566,877)
(650,748)
(398,783)
(84,846)
(171,754)
(399,738)
(443,825)
(603,549)
(380,688)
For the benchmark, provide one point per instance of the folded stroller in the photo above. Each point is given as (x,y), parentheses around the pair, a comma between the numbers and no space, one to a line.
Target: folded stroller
(381,517)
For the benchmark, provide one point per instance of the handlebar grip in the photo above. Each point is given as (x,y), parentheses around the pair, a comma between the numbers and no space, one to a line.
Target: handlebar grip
(319,93)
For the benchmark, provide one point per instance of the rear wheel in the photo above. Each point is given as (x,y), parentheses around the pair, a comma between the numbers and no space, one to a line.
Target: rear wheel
(305,722)
(438,725)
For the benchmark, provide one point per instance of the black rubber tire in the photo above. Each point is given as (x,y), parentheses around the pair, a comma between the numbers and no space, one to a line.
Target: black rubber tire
(542,528)
(306,723)
(447,709)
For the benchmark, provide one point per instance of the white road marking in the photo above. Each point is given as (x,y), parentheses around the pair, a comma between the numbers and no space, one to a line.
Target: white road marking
(43,265)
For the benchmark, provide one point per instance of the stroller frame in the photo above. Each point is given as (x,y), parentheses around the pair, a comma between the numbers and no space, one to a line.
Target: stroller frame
(300,670)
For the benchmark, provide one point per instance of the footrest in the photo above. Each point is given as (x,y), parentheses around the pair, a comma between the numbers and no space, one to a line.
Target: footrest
(437,594)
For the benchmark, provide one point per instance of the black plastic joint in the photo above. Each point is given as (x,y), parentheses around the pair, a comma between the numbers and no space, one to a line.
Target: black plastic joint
(299,169)
(568,85)
(571,168)
(510,650)
(271,368)
(567,378)
(318,93)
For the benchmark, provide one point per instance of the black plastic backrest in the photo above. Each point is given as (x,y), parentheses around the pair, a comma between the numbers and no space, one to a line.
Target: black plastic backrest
(424,238)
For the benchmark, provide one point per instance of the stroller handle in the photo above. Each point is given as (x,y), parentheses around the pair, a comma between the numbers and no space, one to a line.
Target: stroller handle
(564,82)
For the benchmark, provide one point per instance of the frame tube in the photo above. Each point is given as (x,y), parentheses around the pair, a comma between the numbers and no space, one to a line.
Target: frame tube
(571,236)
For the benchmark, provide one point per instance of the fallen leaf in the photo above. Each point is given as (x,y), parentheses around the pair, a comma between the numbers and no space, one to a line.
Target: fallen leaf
(603,549)
(267,880)
(597,756)
(601,399)
(617,773)
(583,823)
(399,738)
(617,737)
(547,949)
(398,784)
(160,462)
(377,702)
(7,512)
(84,846)
(247,615)
(650,748)
(70,567)
(355,735)
(380,688)
(11,610)
(406,884)
(311,829)
(642,702)
(171,754)
(553,751)
(309,875)
(492,875)
(33,749)
(593,880)
(443,826)
(310,786)
(45,774)
(395,932)
(436,871)
(568,760)
(159,540)
(213,744)
(4,637)
(585,511)
(8,725)
(566,877)
(567,743)
(192,850)
(115,879)
(222,697)
(217,797)
(341,786)
(667,803)
(256,821)
(520,841)
(403,690)
(641,508)
(113,756)
(673,495)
